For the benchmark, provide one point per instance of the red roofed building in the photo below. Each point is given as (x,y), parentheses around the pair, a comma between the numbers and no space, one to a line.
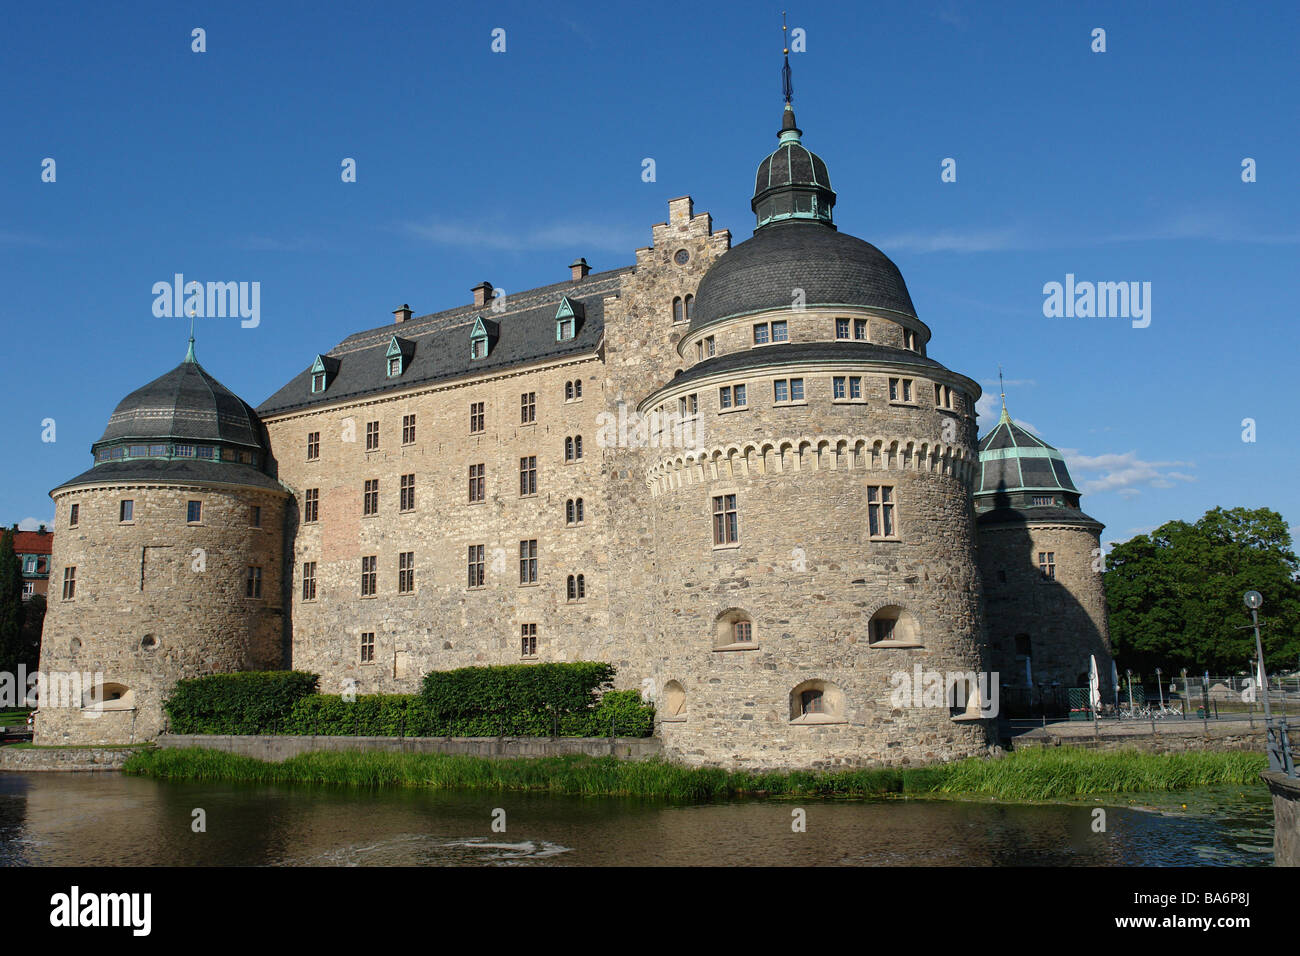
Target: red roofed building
(33,549)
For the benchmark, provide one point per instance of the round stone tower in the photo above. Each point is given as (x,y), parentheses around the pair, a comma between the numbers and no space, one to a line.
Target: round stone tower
(833,613)
(1041,560)
(167,562)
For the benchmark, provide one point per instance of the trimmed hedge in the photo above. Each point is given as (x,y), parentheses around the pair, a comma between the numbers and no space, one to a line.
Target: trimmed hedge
(516,699)
(250,702)
(409,715)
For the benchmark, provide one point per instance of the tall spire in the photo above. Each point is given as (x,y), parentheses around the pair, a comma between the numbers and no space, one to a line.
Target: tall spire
(785,70)
(790,132)
(1004,417)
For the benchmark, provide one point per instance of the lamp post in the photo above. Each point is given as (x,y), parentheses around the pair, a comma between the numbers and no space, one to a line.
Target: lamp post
(1160,687)
(1254,600)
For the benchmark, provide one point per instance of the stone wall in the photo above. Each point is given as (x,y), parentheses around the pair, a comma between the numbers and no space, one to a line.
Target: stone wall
(1286,817)
(156,600)
(64,758)
(277,748)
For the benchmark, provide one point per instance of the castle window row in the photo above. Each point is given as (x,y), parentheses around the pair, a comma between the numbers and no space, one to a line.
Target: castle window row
(252,582)
(574,508)
(126,513)
(216,453)
(882,520)
(529,574)
(843,389)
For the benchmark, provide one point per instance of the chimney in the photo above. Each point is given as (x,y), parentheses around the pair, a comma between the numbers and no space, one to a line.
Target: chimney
(578,269)
(482,292)
(402,314)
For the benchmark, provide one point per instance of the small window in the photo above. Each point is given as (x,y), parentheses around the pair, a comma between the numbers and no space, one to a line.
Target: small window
(726,529)
(477,419)
(408,429)
(527,408)
(688,405)
(253,583)
(528,561)
(880,511)
(1047,565)
(69,583)
(762,333)
(528,640)
(690,307)
(368,647)
(942,396)
(573,511)
(309,581)
(787,390)
(477,565)
(527,476)
(477,348)
(841,328)
(477,483)
(679,314)
(573,448)
(311,505)
(369,575)
(732,396)
(860,330)
(126,512)
(900,390)
(370,499)
(407,493)
(372,436)
(395,366)
(742,632)
(564,330)
(909,340)
(406,572)
(318,382)
(1042,500)
(255,516)
(313,446)
(74,515)
(577,587)
(194,512)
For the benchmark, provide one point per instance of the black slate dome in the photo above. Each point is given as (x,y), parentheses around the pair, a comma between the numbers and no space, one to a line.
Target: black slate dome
(186,404)
(832,268)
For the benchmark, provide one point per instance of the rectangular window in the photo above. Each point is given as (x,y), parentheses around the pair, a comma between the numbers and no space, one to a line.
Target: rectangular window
(408,429)
(1041,500)
(942,396)
(761,333)
(74,515)
(184,451)
(900,390)
(372,436)
(860,329)
(855,386)
(255,516)
(477,348)
(528,476)
(476,418)
(477,483)
(370,500)
(311,505)
(313,446)
(318,382)
(477,566)
(528,640)
(880,511)
(688,405)
(194,512)
(909,340)
(841,328)
(709,347)
(732,396)
(394,366)
(369,575)
(527,408)
(742,632)
(309,581)
(725,527)
(787,390)
(1047,565)
(528,561)
(253,583)
(368,647)
(407,493)
(406,572)
(839,387)
(127,511)
(780,331)
(69,583)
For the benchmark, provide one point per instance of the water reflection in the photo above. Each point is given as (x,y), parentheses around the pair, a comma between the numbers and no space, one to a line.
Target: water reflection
(96,820)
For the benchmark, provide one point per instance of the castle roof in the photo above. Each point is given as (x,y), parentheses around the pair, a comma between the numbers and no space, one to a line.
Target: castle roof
(439,344)
(1011,459)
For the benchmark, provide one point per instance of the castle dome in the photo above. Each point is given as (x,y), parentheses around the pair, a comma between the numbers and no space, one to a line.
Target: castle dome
(1012,459)
(796,246)
(183,426)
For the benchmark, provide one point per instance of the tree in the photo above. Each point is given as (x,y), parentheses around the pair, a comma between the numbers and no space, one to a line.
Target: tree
(11,604)
(1175,596)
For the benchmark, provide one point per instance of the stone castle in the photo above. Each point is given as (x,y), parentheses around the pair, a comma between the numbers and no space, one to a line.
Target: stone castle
(734,472)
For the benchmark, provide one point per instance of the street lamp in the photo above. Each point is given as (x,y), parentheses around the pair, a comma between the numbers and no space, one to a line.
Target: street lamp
(1254,600)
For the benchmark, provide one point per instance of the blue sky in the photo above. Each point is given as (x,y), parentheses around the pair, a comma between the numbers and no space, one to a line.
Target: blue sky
(471,165)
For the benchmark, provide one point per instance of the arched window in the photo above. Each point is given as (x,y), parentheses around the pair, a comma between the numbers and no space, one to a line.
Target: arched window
(678,313)
(577,589)
(573,448)
(673,705)
(573,511)
(733,630)
(893,626)
(568,449)
(577,388)
(690,306)
(568,391)
(108,697)
(817,702)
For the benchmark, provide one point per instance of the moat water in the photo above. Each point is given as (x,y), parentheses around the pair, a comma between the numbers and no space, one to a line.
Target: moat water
(50,819)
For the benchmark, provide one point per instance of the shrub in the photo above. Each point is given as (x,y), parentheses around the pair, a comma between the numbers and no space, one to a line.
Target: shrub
(517,700)
(251,702)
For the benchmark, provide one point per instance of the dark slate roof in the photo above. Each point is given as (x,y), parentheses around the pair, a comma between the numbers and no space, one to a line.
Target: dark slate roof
(1048,514)
(526,334)
(176,471)
(1012,459)
(803,352)
(832,268)
(186,404)
(791,163)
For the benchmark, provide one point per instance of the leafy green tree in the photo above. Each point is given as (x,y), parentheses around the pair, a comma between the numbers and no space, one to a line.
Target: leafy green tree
(11,604)
(1175,596)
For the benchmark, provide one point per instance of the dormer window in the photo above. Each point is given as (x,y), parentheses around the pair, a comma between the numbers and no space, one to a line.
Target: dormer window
(567,319)
(395,366)
(318,381)
(481,337)
(398,355)
(322,371)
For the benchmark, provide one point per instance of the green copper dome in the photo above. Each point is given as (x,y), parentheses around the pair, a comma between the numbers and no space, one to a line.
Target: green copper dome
(792,182)
(1012,460)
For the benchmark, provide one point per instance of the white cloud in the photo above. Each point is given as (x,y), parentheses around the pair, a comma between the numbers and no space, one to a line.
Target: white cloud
(503,237)
(34,524)
(1124,473)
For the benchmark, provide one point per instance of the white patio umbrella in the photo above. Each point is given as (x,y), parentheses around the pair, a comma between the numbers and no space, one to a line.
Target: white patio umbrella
(1094,684)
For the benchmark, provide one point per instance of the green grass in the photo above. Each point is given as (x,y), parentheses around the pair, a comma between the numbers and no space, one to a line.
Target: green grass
(1027,776)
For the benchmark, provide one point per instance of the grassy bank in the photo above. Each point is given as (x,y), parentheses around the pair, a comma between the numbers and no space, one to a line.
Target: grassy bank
(1038,774)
